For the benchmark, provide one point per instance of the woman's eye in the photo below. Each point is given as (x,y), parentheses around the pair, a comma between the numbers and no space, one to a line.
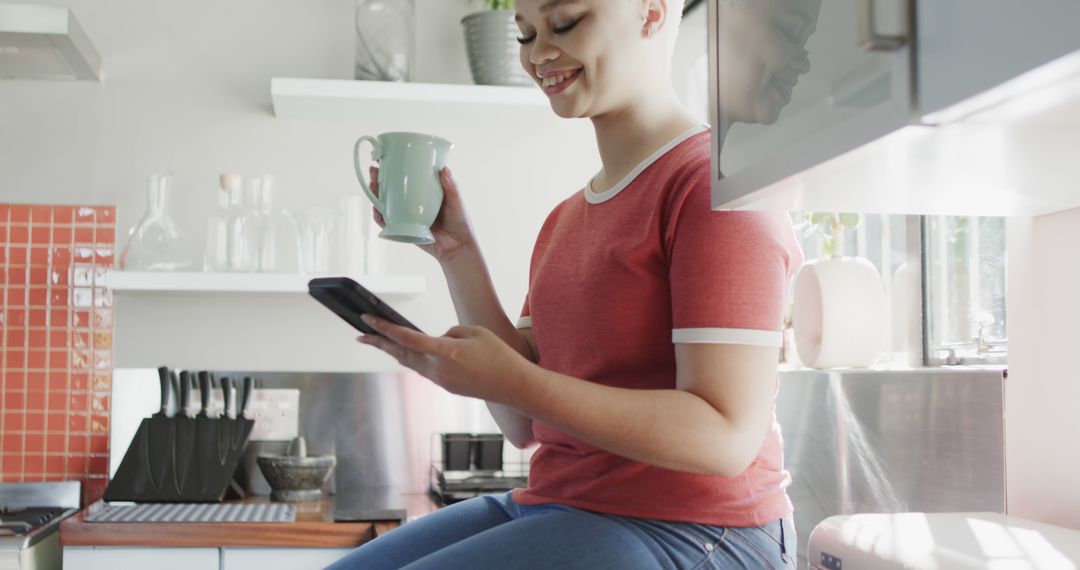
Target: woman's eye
(565,28)
(556,29)
(792,29)
(796,33)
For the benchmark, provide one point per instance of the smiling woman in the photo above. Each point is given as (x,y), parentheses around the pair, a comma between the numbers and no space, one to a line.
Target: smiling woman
(644,359)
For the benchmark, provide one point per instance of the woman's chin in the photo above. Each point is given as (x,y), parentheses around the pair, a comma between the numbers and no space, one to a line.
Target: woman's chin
(565,111)
(570,109)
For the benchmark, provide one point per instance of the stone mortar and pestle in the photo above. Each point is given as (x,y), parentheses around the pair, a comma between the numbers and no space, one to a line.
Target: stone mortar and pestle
(295,477)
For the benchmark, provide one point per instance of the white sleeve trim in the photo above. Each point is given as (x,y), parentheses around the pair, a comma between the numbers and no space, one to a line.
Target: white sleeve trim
(753,337)
(524,323)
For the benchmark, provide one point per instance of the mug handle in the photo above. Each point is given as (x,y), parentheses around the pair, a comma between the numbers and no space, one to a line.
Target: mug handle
(376,155)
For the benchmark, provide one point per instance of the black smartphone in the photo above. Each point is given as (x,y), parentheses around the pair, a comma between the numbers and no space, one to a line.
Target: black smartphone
(349,299)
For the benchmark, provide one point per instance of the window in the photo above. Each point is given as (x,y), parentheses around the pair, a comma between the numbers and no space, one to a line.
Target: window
(964,321)
(965,290)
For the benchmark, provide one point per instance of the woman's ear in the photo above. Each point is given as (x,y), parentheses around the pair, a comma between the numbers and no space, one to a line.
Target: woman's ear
(655,16)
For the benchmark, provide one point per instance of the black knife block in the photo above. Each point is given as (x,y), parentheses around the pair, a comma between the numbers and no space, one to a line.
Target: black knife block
(180,459)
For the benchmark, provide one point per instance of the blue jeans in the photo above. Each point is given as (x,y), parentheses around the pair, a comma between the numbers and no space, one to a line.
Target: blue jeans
(495,532)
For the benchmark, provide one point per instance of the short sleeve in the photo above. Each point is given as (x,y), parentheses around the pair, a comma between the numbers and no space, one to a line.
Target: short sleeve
(525,321)
(728,271)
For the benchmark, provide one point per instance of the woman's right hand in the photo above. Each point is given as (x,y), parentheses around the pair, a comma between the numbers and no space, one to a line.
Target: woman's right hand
(451,227)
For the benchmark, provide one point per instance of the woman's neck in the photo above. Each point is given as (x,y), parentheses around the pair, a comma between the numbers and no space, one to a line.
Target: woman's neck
(628,136)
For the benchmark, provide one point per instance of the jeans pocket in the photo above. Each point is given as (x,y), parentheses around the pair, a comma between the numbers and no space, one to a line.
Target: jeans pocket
(770,546)
(699,542)
(775,532)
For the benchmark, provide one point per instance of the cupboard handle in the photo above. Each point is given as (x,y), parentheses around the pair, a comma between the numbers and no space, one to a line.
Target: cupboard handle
(869,39)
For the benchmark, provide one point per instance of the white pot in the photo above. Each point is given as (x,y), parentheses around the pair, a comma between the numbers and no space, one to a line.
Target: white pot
(839,313)
(491,41)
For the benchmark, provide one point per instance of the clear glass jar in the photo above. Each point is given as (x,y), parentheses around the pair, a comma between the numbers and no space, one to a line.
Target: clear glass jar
(384,40)
(156,243)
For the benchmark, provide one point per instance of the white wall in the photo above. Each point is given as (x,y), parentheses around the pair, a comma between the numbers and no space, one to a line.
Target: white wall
(187,91)
(1042,393)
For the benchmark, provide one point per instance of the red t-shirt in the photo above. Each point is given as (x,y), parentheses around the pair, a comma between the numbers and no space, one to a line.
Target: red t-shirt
(616,279)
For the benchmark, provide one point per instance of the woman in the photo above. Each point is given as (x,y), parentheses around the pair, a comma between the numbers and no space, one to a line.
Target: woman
(644,360)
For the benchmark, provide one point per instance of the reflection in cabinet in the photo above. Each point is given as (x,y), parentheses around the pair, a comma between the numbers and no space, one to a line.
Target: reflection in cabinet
(116,558)
(895,106)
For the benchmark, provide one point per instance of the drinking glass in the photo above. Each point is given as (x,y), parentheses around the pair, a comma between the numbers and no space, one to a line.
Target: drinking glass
(315,230)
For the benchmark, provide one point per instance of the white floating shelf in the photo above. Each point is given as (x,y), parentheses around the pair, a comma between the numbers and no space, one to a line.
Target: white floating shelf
(338,98)
(198,282)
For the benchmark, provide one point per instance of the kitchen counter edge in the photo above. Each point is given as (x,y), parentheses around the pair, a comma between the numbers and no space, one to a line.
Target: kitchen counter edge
(314,528)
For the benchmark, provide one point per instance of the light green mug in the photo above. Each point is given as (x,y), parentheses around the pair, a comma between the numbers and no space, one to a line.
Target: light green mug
(410,193)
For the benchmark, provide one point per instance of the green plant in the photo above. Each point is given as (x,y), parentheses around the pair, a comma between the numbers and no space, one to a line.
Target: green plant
(830,226)
(498,4)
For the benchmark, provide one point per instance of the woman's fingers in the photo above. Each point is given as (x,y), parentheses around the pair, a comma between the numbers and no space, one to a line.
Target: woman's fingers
(373,172)
(450,187)
(404,336)
(398,352)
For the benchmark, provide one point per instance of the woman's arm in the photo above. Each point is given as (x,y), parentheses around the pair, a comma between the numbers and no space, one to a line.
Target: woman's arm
(713,422)
(476,304)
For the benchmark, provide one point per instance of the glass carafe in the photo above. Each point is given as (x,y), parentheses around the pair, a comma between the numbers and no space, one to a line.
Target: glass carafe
(219,234)
(156,243)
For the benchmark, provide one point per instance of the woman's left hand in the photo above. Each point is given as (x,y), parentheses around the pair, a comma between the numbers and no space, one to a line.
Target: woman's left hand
(467,360)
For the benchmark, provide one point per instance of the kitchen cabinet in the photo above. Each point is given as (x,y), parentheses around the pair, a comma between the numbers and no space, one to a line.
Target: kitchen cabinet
(119,558)
(280,558)
(313,540)
(895,106)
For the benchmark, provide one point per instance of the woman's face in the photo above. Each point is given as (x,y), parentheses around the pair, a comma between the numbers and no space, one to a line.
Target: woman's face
(762,53)
(587,55)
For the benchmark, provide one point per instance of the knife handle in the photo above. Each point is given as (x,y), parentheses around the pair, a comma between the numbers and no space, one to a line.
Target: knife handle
(163,378)
(175,383)
(185,392)
(245,396)
(226,390)
(204,393)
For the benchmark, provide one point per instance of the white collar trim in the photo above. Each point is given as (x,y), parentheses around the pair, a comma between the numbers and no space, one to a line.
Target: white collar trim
(600,197)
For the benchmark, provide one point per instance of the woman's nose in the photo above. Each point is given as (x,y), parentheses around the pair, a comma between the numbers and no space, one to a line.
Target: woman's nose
(801,63)
(542,51)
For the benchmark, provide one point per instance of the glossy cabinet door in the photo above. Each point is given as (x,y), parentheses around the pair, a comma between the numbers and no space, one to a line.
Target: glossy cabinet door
(936,107)
(140,558)
(966,47)
(794,83)
(280,558)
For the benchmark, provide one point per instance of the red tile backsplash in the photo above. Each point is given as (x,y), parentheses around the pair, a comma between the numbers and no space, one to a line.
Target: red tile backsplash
(55,343)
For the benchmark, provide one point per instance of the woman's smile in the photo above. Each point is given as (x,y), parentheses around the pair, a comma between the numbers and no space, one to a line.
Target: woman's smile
(554,83)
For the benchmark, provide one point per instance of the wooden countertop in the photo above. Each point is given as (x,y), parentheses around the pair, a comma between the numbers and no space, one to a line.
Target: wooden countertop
(314,527)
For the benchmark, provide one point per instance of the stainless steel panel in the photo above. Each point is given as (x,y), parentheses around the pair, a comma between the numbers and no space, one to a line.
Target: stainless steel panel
(927,440)
(378,425)
(59,494)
